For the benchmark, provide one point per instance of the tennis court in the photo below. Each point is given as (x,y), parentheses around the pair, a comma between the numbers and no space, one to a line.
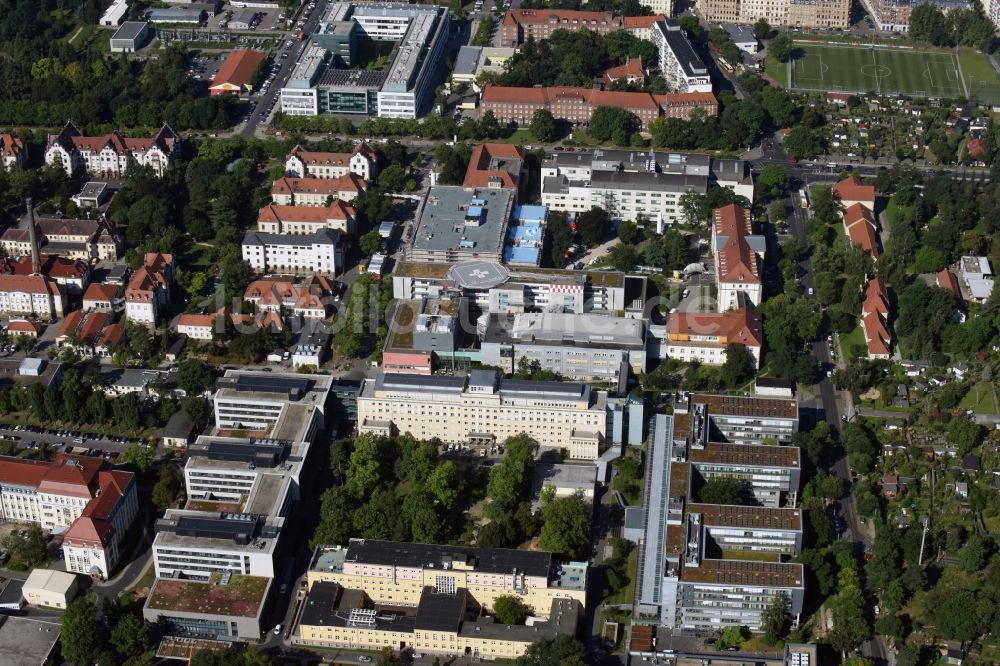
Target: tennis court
(865,68)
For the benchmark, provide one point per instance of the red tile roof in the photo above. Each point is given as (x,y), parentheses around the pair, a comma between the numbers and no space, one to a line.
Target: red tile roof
(112,336)
(53,266)
(851,189)
(337,210)
(19,326)
(328,186)
(737,261)
(32,284)
(876,334)
(876,298)
(976,147)
(10,145)
(569,16)
(100,292)
(742,326)
(640,22)
(947,281)
(18,471)
(492,161)
(71,475)
(632,69)
(237,71)
(860,226)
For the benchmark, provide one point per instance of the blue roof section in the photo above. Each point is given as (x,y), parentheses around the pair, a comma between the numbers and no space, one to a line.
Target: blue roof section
(521,256)
(530,214)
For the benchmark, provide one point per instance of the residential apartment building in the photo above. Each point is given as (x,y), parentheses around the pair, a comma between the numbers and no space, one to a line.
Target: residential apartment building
(703,336)
(72,275)
(307,219)
(851,191)
(362,162)
(83,497)
(498,289)
(35,295)
(797,13)
(481,407)
(991,9)
(577,346)
(894,15)
(680,65)
(705,567)
(629,184)
(90,333)
(321,252)
(13,152)
(738,256)
(65,237)
(875,320)
(521,24)
(148,293)
(642,26)
(576,105)
(396,574)
(316,191)
(110,155)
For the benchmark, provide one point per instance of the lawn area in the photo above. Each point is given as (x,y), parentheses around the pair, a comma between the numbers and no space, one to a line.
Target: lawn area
(860,68)
(980,399)
(519,137)
(852,339)
(777,70)
(981,78)
(627,593)
(894,210)
(196,257)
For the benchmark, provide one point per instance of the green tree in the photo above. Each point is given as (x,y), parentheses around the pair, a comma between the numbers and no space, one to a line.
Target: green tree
(594,226)
(606,119)
(445,484)
(129,636)
(772,181)
(829,486)
(26,548)
(739,367)
(776,619)
(802,142)
(139,456)
(781,47)
(194,375)
(367,467)
(370,242)
(509,609)
(726,490)
(566,526)
(563,650)
(761,29)
(82,636)
(928,24)
(543,126)
(167,488)
(623,257)
(731,637)
(974,553)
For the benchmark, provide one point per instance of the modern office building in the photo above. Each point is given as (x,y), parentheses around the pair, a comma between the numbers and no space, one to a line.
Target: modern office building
(425,333)
(629,184)
(83,498)
(227,607)
(680,64)
(498,289)
(704,336)
(319,83)
(705,567)
(738,255)
(455,224)
(397,574)
(740,419)
(481,408)
(248,400)
(577,346)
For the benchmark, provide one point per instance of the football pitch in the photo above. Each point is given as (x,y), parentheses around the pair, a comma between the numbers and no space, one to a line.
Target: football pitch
(864,68)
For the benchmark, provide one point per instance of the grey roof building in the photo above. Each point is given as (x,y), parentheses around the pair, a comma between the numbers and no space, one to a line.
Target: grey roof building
(130,37)
(455,224)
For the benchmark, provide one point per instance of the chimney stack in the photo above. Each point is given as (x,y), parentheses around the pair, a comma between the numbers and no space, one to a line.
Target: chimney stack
(36,264)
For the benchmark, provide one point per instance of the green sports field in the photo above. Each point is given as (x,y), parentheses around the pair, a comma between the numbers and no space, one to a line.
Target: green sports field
(863,68)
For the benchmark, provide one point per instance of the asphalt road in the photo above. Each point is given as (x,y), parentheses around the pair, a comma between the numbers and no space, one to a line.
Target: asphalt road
(259,116)
(829,405)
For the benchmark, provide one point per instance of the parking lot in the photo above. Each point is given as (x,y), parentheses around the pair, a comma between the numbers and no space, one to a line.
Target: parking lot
(267,20)
(204,66)
(68,441)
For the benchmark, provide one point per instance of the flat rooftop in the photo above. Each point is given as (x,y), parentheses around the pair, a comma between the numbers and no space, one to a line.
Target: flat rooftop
(453,218)
(241,596)
(287,387)
(129,30)
(513,274)
(567,329)
(26,641)
(754,455)
(737,405)
(751,517)
(565,475)
(745,573)
(427,556)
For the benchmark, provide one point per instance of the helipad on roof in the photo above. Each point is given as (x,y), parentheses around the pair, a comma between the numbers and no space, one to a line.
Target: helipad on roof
(478,274)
